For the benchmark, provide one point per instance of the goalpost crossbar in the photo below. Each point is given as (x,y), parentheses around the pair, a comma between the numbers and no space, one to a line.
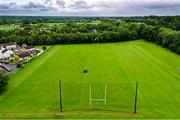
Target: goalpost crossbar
(97,99)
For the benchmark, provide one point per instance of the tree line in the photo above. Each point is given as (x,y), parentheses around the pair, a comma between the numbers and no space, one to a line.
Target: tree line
(172,22)
(106,31)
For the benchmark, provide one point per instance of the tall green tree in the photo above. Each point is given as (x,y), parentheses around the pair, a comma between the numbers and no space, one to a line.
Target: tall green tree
(177,22)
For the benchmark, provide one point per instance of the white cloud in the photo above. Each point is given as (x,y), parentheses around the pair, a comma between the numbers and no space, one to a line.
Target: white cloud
(90,7)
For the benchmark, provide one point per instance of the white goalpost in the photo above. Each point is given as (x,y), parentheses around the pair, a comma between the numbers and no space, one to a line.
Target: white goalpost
(104,100)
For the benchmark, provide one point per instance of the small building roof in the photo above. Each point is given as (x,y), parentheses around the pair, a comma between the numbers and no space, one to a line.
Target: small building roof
(8,44)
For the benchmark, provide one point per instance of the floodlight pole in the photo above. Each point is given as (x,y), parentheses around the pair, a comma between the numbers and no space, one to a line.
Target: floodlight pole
(60,96)
(135,100)
(90,88)
(105,94)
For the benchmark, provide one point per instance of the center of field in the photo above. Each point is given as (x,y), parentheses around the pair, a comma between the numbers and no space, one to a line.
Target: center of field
(35,89)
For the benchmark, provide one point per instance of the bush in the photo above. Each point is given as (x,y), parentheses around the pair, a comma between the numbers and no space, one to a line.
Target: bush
(20,65)
(11,60)
(17,58)
(3,82)
(44,48)
(178,50)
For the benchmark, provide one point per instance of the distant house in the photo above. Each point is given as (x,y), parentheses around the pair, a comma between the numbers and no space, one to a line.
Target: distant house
(94,31)
(9,46)
(6,50)
(6,54)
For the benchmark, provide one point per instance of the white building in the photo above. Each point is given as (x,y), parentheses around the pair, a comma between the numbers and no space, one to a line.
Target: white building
(5,54)
(8,46)
(6,51)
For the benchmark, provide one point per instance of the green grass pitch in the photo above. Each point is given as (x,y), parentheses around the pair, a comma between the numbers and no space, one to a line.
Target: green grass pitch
(33,91)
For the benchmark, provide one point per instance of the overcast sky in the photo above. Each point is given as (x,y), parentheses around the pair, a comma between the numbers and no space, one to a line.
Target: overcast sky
(89,7)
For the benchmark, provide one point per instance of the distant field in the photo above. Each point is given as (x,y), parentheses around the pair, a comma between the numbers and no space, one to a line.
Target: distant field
(52,24)
(8,27)
(93,22)
(34,91)
(61,24)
